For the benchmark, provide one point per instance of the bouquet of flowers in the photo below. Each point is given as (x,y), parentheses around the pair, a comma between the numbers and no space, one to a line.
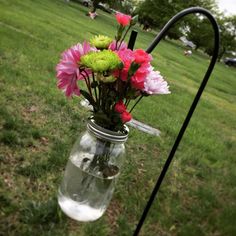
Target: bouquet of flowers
(113,75)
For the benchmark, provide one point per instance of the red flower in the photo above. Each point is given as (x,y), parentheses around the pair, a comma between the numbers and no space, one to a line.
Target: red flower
(125,116)
(138,79)
(141,56)
(123,19)
(138,56)
(137,82)
(120,107)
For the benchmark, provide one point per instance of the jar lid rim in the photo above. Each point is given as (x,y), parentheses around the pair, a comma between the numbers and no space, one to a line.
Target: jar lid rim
(107,134)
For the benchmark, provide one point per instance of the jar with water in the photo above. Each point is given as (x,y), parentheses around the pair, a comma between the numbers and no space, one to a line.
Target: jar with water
(91,172)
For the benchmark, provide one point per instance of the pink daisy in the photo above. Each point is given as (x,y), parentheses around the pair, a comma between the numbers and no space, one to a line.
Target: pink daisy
(68,71)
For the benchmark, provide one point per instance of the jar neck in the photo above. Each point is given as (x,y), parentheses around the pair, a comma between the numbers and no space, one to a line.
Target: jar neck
(108,135)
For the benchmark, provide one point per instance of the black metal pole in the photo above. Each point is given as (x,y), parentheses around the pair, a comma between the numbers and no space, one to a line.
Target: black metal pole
(132,39)
(195,101)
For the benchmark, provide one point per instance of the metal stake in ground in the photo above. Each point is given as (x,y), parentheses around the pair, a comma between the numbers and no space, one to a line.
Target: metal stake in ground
(195,101)
(132,39)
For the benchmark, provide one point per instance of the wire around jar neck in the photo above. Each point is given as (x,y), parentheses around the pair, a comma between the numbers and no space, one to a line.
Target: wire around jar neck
(112,136)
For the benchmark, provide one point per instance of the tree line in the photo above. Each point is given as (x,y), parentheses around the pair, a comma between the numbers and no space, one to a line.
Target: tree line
(196,28)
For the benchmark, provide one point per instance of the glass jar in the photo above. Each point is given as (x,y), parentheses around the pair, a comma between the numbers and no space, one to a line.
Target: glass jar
(91,172)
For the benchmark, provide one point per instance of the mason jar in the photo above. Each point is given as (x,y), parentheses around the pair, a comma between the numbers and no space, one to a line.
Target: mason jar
(91,172)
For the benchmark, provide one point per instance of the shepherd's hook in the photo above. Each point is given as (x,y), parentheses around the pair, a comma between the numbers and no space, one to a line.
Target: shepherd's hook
(158,38)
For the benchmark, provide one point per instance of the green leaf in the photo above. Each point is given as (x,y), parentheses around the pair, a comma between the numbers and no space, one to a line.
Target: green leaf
(134,20)
(121,66)
(133,68)
(132,94)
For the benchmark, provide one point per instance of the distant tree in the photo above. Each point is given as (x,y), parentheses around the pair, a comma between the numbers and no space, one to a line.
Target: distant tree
(200,32)
(227,27)
(158,12)
(95,3)
(127,7)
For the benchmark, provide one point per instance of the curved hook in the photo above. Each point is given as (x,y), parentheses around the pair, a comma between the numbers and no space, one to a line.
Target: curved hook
(158,38)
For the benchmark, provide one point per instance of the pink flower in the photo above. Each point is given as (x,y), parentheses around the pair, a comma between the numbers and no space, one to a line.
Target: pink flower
(141,56)
(68,69)
(123,19)
(125,116)
(155,84)
(126,56)
(92,15)
(112,46)
(120,107)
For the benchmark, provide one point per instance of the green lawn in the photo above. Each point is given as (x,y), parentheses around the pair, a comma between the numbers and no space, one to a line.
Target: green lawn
(39,125)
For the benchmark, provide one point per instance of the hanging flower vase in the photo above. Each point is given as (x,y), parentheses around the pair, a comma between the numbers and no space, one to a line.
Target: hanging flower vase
(115,79)
(91,172)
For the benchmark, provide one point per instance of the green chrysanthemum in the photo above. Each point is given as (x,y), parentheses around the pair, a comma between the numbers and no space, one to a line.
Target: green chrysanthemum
(106,79)
(101,41)
(101,61)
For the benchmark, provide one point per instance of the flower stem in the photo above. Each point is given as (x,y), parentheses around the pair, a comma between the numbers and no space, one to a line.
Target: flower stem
(136,104)
(87,81)
(95,88)
(116,45)
(127,102)
(99,95)
(124,36)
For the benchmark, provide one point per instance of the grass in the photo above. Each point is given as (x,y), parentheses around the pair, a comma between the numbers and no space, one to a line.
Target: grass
(38,127)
